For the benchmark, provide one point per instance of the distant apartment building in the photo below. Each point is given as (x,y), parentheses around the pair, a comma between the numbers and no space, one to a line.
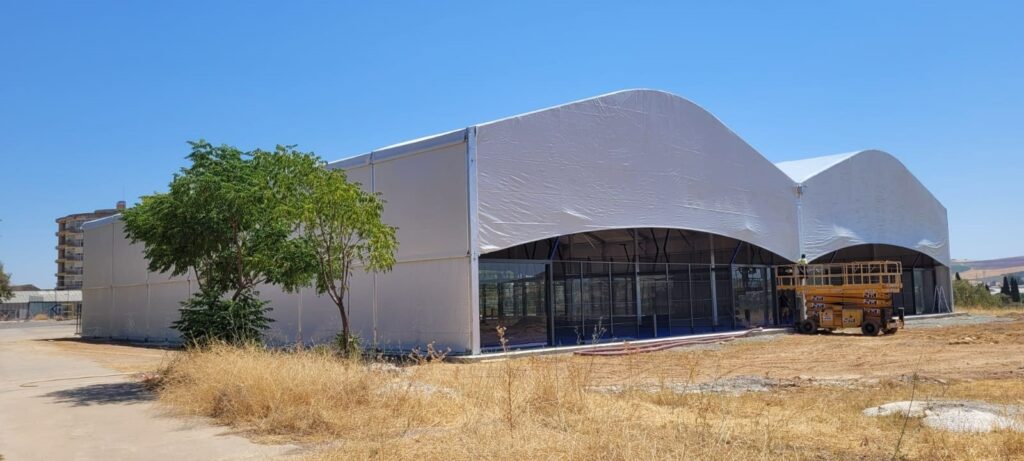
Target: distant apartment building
(70,240)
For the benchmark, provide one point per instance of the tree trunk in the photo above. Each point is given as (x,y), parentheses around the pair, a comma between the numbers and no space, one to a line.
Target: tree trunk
(344,326)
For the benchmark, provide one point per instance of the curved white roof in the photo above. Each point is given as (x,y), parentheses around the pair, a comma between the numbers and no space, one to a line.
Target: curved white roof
(803,169)
(867,197)
(648,158)
(636,158)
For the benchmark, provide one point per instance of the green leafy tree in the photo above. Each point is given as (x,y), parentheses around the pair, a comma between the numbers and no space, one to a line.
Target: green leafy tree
(343,227)
(1005,289)
(5,284)
(1014,289)
(958,276)
(224,219)
(967,294)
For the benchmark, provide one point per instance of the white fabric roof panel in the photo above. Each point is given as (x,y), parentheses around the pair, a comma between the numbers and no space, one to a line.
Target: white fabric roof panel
(867,197)
(804,169)
(637,158)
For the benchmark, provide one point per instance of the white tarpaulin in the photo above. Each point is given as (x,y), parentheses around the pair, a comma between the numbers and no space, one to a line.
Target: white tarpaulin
(638,158)
(867,197)
(631,159)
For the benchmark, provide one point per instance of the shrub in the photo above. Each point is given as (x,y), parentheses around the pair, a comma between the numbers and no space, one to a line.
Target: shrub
(348,346)
(208,317)
(967,294)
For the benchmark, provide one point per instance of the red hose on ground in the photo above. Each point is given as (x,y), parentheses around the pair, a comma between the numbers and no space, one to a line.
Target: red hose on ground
(661,345)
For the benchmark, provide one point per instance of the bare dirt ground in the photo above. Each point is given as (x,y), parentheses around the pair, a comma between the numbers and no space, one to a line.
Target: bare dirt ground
(807,392)
(65,399)
(120,357)
(976,347)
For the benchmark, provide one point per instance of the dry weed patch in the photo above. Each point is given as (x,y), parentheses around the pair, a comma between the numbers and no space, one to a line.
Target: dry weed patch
(663,405)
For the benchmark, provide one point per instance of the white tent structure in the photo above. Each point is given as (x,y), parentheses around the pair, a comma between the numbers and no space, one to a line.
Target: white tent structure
(633,214)
(867,205)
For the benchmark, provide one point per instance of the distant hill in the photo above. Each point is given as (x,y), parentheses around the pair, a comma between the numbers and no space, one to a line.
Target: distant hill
(988,270)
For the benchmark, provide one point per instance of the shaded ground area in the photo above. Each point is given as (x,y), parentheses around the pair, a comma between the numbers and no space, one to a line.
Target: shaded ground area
(103,394)
(65,399)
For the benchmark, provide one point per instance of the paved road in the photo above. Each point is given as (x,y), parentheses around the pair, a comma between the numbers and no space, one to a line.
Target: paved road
(57,406)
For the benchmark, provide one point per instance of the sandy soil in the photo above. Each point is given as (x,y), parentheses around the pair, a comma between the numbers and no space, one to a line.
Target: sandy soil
(969,347)
(120,357)
(964,348)
(767,384)
(61,398)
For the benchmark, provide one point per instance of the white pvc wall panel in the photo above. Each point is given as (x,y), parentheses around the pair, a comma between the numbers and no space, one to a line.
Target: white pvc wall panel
(130,314)
(360,305)
(285,307)
(159,277)
(96,279)
(164,301)
(361,175)
(636,158)
(321,321)
(426,196)
(97,256)
(96,311)
(130,268)
(426,301)
(868,197)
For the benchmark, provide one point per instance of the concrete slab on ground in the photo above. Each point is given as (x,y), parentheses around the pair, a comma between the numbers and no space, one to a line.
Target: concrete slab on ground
(66,407)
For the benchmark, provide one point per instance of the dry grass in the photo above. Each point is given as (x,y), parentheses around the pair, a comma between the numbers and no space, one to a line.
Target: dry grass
(307,395)
(982,310)
(548,408)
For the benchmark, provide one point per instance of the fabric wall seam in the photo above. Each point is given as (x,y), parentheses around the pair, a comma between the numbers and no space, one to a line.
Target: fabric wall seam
(474,244)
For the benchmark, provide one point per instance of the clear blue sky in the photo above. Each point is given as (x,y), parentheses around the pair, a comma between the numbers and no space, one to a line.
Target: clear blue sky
(98,99)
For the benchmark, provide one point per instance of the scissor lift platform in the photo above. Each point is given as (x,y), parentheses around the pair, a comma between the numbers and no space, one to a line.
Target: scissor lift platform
(845,295)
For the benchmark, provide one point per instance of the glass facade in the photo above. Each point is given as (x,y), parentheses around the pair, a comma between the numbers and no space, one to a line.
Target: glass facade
(616,284)
(921,274)
(513,295)
(603,301)
(752,293)
(620,284)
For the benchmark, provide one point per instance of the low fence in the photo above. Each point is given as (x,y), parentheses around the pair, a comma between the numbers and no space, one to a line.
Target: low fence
(40,311)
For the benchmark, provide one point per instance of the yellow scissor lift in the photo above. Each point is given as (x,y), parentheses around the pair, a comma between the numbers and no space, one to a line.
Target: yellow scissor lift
(845,295)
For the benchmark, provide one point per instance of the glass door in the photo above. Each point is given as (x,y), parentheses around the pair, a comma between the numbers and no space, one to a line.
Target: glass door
(513,295)
(751,296)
